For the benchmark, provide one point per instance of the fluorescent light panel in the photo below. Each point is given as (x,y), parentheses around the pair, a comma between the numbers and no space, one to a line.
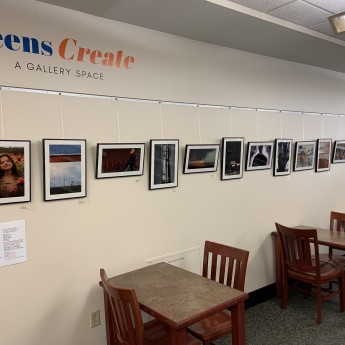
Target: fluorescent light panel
(337,22)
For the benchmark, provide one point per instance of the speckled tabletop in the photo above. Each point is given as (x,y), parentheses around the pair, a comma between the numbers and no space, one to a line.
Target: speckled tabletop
(179,296)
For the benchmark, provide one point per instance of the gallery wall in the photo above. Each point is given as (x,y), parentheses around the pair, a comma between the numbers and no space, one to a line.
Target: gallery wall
(121,223)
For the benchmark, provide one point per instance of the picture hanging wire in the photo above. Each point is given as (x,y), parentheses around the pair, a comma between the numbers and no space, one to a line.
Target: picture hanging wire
(302,126)
(199,124)
(339,128)
(230,121)
(281,125)
(161,118)
(117,119)
(257,125)
(2,116)
(62,119)
(321,118)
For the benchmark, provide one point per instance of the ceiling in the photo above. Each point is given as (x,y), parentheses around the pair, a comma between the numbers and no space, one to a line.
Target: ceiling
(311,14)
(296,31)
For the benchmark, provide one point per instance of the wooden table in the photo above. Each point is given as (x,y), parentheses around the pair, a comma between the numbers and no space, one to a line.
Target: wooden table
(179,298)
(326,237)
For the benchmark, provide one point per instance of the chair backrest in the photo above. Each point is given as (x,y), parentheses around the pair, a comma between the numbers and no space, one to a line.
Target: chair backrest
(297,248)
(225,264)
(337,221)
(125,312)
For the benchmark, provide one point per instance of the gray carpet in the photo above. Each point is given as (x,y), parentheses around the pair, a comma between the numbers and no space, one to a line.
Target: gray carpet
(267,324)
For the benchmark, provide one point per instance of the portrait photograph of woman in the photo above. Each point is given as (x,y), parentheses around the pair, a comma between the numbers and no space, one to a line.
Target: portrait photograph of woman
(14,171)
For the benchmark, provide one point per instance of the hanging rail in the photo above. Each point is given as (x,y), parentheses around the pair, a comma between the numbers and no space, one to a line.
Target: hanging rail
(132,99)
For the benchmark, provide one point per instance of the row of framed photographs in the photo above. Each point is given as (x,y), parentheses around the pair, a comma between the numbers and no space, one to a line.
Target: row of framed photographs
(64,162)
(115,160)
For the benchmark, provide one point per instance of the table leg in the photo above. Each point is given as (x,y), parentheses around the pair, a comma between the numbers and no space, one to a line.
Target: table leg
(238,324)
(178,337)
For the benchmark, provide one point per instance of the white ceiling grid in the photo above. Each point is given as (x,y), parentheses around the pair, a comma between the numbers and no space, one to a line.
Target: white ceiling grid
(311,14)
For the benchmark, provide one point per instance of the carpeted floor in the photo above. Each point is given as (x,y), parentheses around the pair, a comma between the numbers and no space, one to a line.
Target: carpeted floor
(267,324)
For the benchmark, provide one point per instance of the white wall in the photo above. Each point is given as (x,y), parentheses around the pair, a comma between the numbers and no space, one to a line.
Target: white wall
(121,223)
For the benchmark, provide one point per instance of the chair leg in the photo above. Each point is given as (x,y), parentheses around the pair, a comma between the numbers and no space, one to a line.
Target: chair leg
(318,304)
(284,300)
(342,292)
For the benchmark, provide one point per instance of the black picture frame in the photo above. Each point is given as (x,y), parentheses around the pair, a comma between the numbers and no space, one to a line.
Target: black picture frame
(338,152)
(259,155)
(164,155)
(304,155)
(232,158)
(282,157)
(64,168)
(15,171)
(323,155)
(201,158)
(119,160)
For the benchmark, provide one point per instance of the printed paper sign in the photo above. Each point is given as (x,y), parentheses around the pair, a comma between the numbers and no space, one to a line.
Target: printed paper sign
(12,243)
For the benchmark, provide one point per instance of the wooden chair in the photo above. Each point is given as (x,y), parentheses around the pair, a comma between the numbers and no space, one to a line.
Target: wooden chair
(128,325)
(226,265)
(299,264)
(337,223)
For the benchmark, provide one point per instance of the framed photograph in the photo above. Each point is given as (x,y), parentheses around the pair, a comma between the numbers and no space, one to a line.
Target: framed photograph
(305,155)
(201,158)
(282,157)
(64,164)
(120,160)
(163,163)
(15,171)
(323,155)
(339,152)
(232,158)
(259,155)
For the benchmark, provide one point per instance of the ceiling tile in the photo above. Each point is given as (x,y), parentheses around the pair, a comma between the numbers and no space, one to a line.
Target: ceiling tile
(324,28)
(334,6)
(300,13)
(262,5)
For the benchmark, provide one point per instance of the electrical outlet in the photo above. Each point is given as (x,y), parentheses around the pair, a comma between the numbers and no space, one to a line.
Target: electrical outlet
(95,318)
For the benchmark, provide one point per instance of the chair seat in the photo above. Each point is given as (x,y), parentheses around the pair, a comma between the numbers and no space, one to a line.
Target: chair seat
(157,333)
(328,271)
(213,326)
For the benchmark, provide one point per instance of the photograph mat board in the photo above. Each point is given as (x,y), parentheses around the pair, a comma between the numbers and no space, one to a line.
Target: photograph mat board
(201,158)
(232,158)
(259,155)
(120,160)
(323,154)
(163,163)
(305,155)
(339,152)
(64,169)
(15,173)
(282,158)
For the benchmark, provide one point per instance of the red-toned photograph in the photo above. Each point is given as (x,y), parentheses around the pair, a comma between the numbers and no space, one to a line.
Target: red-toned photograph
(120,160)
(201,158)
